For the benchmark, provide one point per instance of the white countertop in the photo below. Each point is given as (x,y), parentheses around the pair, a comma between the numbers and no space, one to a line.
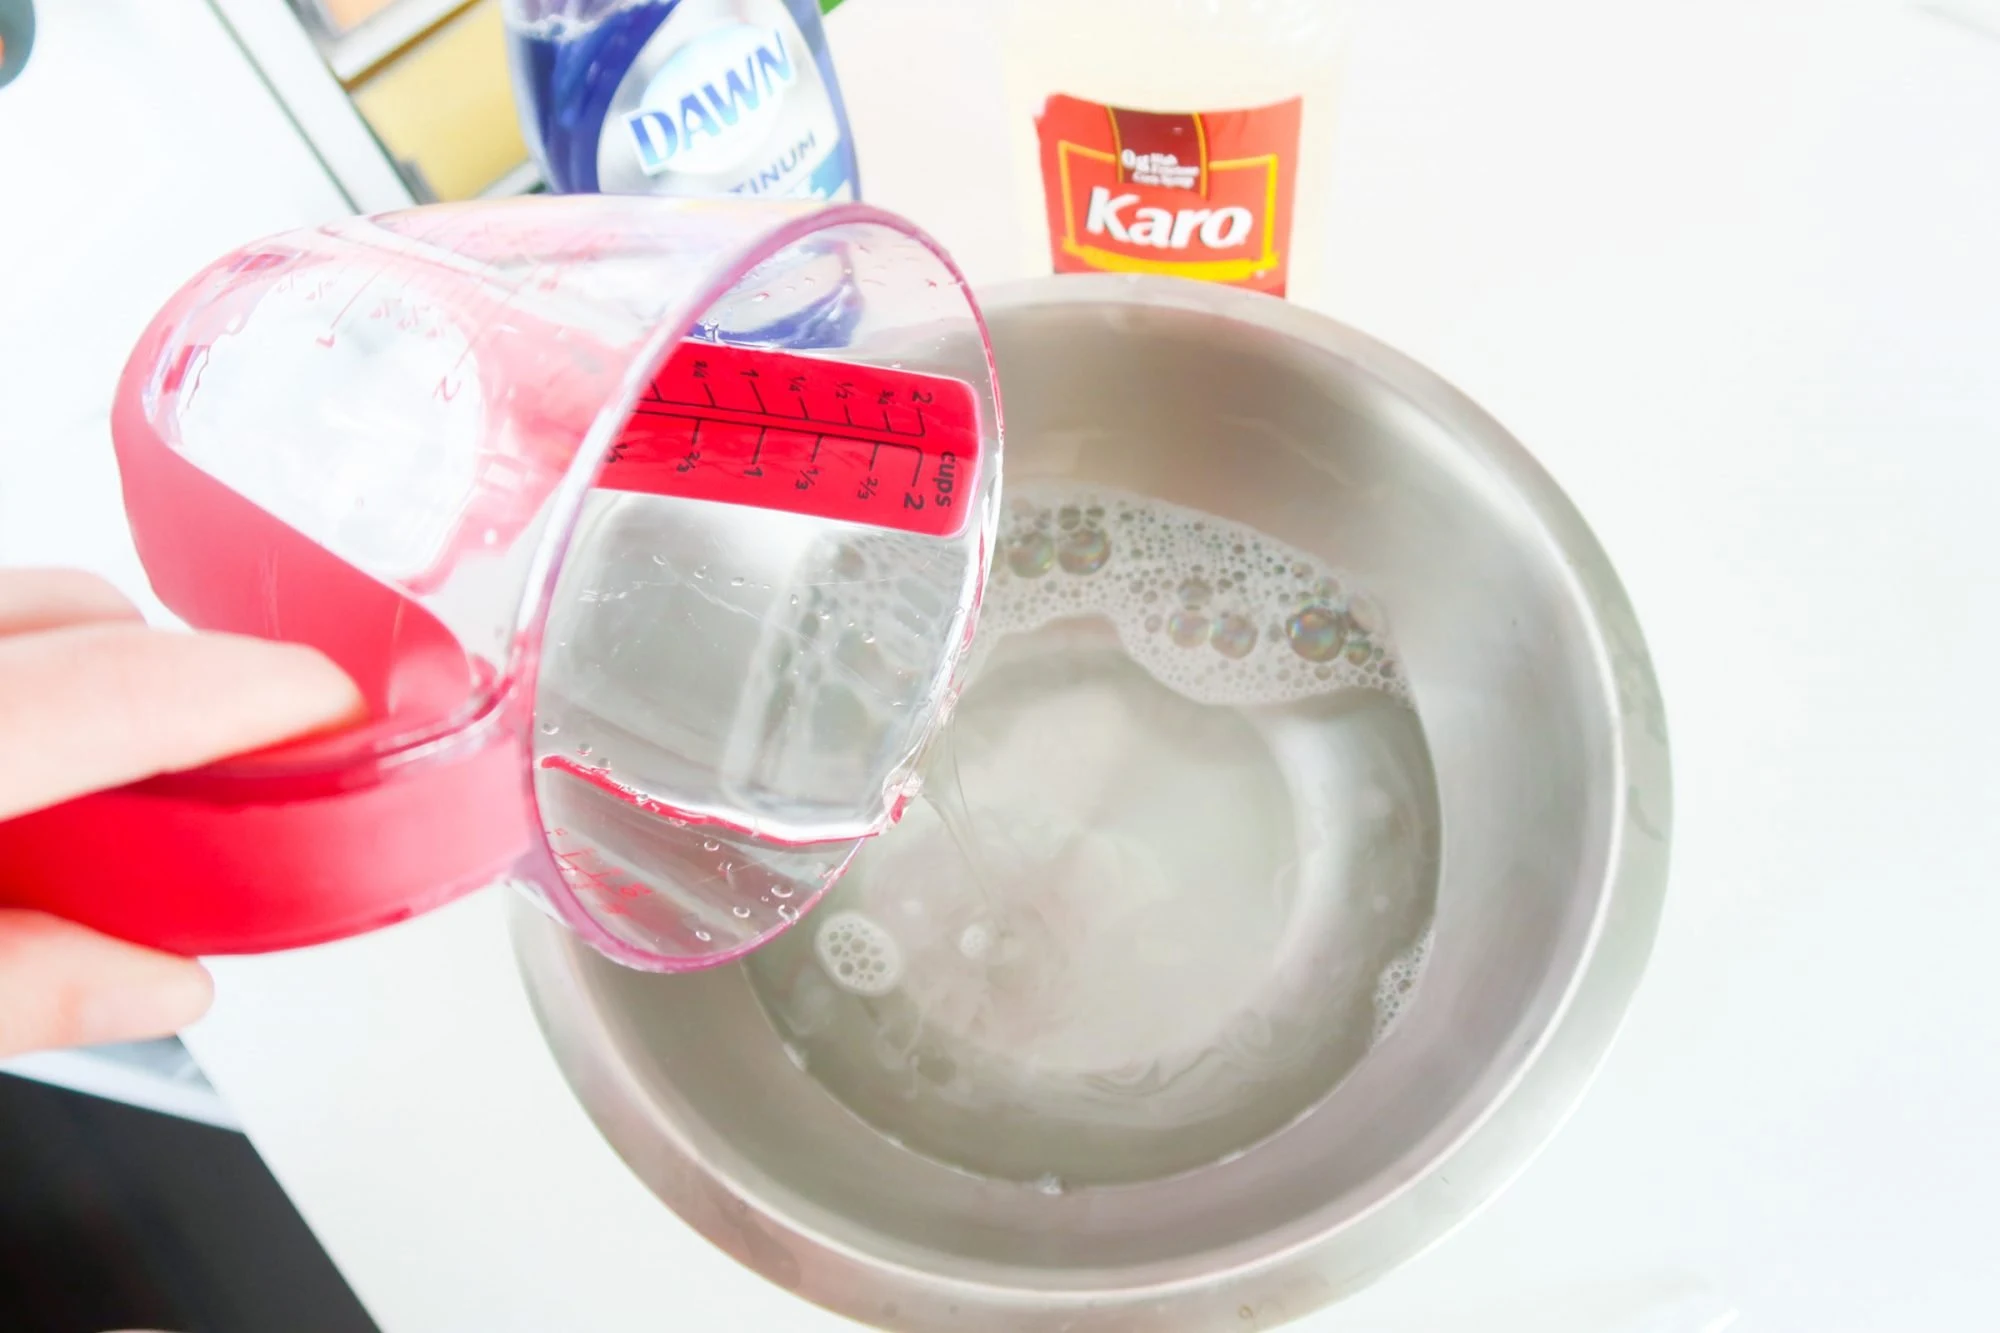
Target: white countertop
(1731,268)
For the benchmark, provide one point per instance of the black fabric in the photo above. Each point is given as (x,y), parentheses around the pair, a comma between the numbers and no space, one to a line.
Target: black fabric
(116,1218)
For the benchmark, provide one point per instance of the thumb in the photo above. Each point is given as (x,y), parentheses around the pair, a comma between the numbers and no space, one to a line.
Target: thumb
(62,984)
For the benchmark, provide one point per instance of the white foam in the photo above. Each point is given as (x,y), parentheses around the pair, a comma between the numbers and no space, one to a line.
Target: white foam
(1214,610)
(858,955)
(1398,983)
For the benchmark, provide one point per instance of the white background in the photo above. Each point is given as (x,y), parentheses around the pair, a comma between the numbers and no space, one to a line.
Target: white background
(1731,268)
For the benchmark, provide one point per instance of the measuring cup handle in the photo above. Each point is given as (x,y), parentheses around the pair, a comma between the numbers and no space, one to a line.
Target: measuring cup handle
(223,562)
(277,852)
(214,862)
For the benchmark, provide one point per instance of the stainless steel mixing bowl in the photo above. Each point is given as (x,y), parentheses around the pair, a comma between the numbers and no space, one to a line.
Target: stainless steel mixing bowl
(1545,725)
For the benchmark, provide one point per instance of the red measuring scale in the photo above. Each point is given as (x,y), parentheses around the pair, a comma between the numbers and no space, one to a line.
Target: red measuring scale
(832,439)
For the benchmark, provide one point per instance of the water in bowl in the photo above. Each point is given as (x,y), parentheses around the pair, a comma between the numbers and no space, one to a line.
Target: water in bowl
(1171,875)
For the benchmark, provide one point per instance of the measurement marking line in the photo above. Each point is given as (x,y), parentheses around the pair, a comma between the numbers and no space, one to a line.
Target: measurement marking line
(693,455)
(732,416)
(916,474)
(333,326)
(742,416)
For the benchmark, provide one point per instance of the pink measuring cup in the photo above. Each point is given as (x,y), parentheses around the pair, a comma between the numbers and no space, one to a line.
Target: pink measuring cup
(653,531)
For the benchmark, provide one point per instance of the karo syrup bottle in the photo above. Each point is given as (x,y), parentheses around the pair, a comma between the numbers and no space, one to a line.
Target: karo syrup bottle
(1183,137)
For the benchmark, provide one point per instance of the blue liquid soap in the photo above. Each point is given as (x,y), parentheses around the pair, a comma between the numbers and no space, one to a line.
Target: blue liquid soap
(681,97)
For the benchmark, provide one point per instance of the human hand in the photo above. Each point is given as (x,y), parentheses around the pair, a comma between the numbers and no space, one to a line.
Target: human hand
(91,698)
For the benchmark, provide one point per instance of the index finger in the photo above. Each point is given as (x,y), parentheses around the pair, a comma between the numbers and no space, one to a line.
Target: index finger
(62,984)
(95,706)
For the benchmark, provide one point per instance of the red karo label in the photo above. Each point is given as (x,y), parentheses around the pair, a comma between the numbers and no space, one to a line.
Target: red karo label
(1203,195)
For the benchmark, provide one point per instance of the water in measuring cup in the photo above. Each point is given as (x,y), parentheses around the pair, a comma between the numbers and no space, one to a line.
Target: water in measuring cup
(1171,877)
(728,698)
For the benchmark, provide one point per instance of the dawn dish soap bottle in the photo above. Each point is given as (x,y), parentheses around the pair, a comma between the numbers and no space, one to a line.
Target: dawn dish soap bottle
(681,97)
